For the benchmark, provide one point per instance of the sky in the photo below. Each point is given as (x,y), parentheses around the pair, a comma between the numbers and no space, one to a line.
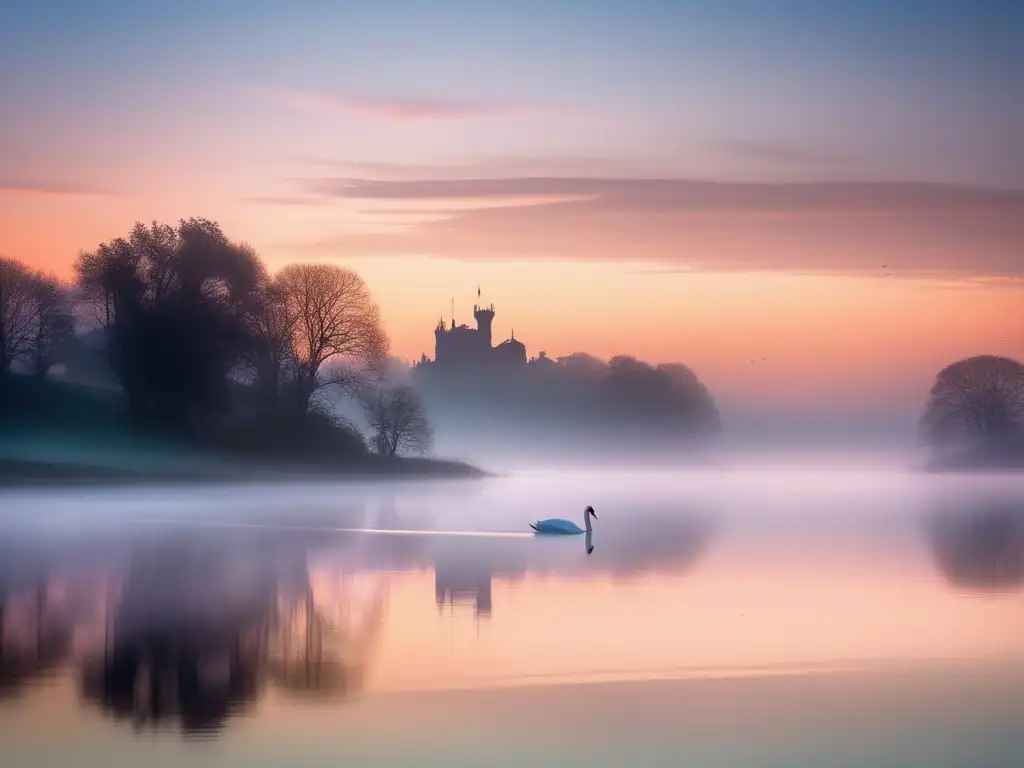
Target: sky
(832,191)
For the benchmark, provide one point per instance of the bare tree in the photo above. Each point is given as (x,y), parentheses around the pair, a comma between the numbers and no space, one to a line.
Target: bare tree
(111,280)
(16,316)
(398,423)
(52,320)
(979,400)
(333,319)
(271,328)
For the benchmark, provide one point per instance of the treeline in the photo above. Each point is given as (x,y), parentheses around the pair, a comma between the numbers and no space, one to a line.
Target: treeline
(207,345)
(577,396)
(35,317)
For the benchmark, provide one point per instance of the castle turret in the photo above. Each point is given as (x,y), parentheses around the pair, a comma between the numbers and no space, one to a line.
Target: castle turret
(484,317)
(458,344)
(440,341)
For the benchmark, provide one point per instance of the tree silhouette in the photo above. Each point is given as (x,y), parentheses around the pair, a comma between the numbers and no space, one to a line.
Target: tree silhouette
(977,402)
(52,320)
(271,327)
(583,366)
(672,392)
(573,400)
(16,313)
(333,319)
(173,302)
(398,423)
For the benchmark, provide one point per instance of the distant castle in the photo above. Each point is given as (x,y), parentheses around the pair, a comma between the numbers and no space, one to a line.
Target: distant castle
(459,584)
(462,345)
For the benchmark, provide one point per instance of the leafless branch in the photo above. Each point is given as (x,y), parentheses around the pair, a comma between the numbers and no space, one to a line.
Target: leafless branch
(52,320)
(16,313)
(332,318)
(397,421)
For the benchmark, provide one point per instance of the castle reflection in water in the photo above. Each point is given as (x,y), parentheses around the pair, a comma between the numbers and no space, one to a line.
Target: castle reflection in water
(187,630)
(455,584)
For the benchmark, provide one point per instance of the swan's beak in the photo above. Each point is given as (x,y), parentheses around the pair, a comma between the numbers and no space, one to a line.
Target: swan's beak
(594,514)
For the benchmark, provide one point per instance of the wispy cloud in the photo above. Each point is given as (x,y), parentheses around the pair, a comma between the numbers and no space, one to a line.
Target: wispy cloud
(778,153)
(12,188)
(296,200)
(394,107)
(492,166)
(919,229)
(685,195)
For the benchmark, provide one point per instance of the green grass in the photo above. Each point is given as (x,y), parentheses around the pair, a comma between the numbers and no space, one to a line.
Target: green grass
(66,431)
(63,422)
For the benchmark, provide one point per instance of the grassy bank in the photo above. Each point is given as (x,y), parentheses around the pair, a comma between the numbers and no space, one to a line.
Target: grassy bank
(22,473)
(57,432)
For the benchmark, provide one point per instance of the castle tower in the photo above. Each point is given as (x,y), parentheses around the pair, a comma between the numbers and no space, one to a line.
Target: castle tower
(441,342)
(484,317)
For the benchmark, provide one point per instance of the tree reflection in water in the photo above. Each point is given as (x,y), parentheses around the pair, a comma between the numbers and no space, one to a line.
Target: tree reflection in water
(40,623)
(31,645)
(981,548)
(189,630)
(198,633)
(321,635)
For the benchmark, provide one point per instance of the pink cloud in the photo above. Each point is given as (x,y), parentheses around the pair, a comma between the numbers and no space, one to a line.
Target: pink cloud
(39,189)
(494,166)
(915,229)
(394,108)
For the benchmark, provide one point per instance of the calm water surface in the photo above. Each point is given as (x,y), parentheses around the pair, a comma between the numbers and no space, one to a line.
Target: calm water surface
(748,617)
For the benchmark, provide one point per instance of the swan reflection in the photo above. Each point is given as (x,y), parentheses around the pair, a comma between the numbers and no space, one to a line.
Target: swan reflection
(188,628)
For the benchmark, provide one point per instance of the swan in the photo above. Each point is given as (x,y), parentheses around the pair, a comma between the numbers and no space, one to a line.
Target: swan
(557,525)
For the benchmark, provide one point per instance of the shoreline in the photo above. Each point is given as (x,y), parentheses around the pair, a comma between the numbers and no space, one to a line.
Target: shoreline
(17,473)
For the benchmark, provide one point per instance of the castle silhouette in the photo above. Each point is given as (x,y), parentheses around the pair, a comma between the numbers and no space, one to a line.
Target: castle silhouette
(462,345)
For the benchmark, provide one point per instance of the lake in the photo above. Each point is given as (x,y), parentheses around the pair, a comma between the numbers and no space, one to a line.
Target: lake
(755,616)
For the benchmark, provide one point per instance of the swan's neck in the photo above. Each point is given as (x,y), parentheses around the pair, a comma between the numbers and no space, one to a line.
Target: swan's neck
(586,521)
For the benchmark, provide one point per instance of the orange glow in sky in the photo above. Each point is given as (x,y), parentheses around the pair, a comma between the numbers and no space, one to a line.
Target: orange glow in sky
(603,205)
(858,335)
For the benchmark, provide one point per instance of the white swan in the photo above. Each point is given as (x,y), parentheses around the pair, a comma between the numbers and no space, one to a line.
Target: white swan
(559,526)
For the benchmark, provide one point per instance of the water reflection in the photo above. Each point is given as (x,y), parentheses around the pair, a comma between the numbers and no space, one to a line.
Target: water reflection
(662,541)
(36,642)
(42,621)
(184,637)
(980,547)
(186,628)
(198,627)
(323,633)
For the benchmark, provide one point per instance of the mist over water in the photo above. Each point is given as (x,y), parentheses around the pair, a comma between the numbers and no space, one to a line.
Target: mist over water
(717,607)
(838,434)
